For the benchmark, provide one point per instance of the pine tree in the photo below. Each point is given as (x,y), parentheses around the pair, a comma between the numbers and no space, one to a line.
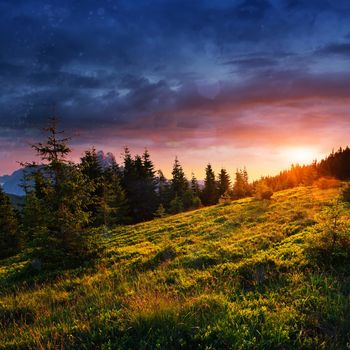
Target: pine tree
(176,205)
(241,187)
(92,169)
(9,232)
(179,183)
(210,193)
(64,191)
(160,212)
(162,189)
(139,182)
(224,183)
(194,185)
(34,214)
(148,190)
(113,203)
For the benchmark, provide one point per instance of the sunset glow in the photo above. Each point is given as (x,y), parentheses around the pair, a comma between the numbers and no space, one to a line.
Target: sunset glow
(301,155)
(261,84)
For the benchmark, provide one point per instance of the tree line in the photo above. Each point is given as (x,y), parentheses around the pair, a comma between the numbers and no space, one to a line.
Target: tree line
(66,203)
(336,165)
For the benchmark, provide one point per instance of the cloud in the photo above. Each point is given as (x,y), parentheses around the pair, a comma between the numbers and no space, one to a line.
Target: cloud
(173,73)
(342,49)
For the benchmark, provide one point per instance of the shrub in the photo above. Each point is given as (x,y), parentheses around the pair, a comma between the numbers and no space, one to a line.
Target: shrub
(324,183)
(263,191)
(346,194)
(332,232)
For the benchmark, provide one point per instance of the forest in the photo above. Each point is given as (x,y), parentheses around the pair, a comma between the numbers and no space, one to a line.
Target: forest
(67,203)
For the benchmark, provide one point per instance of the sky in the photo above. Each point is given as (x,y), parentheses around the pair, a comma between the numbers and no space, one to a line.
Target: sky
(255,83)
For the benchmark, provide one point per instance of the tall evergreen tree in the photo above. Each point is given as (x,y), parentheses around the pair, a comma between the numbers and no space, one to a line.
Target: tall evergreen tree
(210,193)
(224,182)
(64,192)
(194,185)
(162,189)
(140,184)
(149,190)
(241,187)
(92,169)
(113,208)
(179,183)
(9,233)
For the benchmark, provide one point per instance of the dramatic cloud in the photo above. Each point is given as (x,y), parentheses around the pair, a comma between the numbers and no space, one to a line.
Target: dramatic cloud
(225,81)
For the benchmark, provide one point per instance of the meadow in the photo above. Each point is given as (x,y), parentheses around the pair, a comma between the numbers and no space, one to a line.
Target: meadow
(237,275)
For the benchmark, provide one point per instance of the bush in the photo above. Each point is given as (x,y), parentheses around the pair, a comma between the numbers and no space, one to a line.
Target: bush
(262,191)
(324,183)
(346,194)
(331,237)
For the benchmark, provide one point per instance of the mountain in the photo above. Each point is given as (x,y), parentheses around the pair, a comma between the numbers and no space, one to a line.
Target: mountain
(11,184)
(106,160)
(237,275)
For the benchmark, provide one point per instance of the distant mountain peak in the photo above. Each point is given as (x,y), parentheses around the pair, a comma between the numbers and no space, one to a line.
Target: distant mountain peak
(106,160)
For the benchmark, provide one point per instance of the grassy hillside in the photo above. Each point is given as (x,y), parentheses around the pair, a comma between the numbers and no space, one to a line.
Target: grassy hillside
(231,276)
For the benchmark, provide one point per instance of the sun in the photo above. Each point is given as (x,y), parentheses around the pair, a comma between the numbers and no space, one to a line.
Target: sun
(300,155)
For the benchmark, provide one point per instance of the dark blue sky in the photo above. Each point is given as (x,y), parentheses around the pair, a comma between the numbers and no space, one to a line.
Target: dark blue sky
(231,82)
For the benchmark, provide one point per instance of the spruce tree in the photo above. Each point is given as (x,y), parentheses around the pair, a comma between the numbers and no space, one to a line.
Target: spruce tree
(224,182)
(241,187)
(139,181)
(148,191)
(179,183)
(64,192)
(162,189)
(194,185)
(210,193)
(34,219)
(113,208)
(92,169)
(9,232)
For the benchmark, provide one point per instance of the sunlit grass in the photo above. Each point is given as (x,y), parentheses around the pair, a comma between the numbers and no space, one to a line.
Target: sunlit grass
(231,276)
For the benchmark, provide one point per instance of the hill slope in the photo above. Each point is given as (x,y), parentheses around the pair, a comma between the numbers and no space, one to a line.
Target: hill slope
(231,276)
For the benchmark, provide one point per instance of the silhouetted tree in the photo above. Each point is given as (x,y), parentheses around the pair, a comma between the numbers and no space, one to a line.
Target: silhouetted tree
(64,191)
(140,182)
(194,185)
(113,206)
(210,193)
(9,233)
(92,169)
(179,183)
(224,182)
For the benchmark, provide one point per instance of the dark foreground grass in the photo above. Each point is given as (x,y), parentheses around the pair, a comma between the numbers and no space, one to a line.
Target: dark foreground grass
(232,276)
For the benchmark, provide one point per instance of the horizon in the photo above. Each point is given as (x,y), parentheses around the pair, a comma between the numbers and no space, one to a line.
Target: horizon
(300,159)
(262,84)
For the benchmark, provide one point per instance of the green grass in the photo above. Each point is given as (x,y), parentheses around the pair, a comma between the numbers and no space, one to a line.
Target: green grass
(231,276)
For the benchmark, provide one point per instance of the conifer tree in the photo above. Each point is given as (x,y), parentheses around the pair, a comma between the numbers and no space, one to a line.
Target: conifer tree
(241,187)
(176,205)
(139,182)
(64,192)
(191,198)
(92,169)
(34,219)
(179,183)
(113,202)
(160,212)
(150,199)
(224,182)
(9,233)
(162,189)
(210,194)
(194,185)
